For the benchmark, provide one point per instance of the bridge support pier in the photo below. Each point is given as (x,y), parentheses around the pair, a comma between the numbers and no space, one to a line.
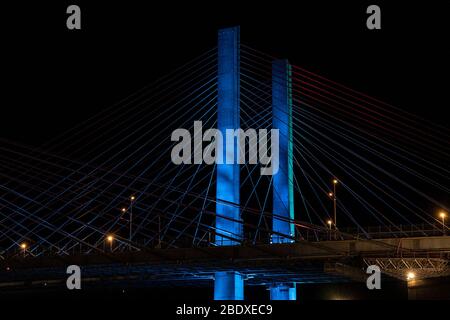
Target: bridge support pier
(283,180)
(229,229)
(228,285)
(283,291)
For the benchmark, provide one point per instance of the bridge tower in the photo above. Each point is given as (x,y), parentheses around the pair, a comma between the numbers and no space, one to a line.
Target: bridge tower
(228,285)
(283,180)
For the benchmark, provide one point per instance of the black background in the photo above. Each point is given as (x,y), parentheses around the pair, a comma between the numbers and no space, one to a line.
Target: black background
(54,77)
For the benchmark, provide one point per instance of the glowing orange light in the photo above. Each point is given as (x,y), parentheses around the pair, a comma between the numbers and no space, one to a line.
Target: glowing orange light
(410,275)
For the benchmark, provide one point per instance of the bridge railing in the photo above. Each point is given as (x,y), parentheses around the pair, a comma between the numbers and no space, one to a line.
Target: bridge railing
(255,236)
(398,231)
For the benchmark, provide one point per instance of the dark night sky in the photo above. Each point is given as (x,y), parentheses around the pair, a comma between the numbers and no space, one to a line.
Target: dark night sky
(53,78)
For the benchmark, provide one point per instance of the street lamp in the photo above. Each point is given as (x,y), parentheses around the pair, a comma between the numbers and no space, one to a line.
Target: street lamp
(443,215)
(132,198)
(335,182)
(410,275)
(110,239)
(329,222)
(24,246)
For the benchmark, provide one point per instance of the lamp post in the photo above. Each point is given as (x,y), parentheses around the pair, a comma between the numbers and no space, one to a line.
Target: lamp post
(159,231)
(335,182)
(132,198)
(24,246)
(330,223)
(110,239)
(443,215)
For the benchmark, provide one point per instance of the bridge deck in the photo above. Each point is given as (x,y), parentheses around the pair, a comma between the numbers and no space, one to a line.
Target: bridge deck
(300,262)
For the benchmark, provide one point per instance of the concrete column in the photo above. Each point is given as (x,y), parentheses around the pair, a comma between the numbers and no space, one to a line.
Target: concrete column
(228,118)
(228,285)
(283,187)
(283,291)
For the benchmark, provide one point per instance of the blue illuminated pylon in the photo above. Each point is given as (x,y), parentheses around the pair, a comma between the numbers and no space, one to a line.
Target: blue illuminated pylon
(283,291)
(228,285)
(283,187)
(228,215)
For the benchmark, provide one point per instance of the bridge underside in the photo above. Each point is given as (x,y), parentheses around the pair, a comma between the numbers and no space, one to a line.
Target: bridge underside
(169,275)
(302,262)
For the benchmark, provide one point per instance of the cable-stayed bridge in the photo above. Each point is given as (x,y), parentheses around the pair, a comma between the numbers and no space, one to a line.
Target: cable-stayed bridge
(107,196)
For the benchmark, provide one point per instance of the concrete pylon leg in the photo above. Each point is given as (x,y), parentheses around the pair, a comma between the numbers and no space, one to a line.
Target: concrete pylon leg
(283,291)
(283,185)
(228,285)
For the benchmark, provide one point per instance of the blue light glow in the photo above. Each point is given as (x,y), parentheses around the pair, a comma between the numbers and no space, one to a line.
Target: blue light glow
(228,285)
